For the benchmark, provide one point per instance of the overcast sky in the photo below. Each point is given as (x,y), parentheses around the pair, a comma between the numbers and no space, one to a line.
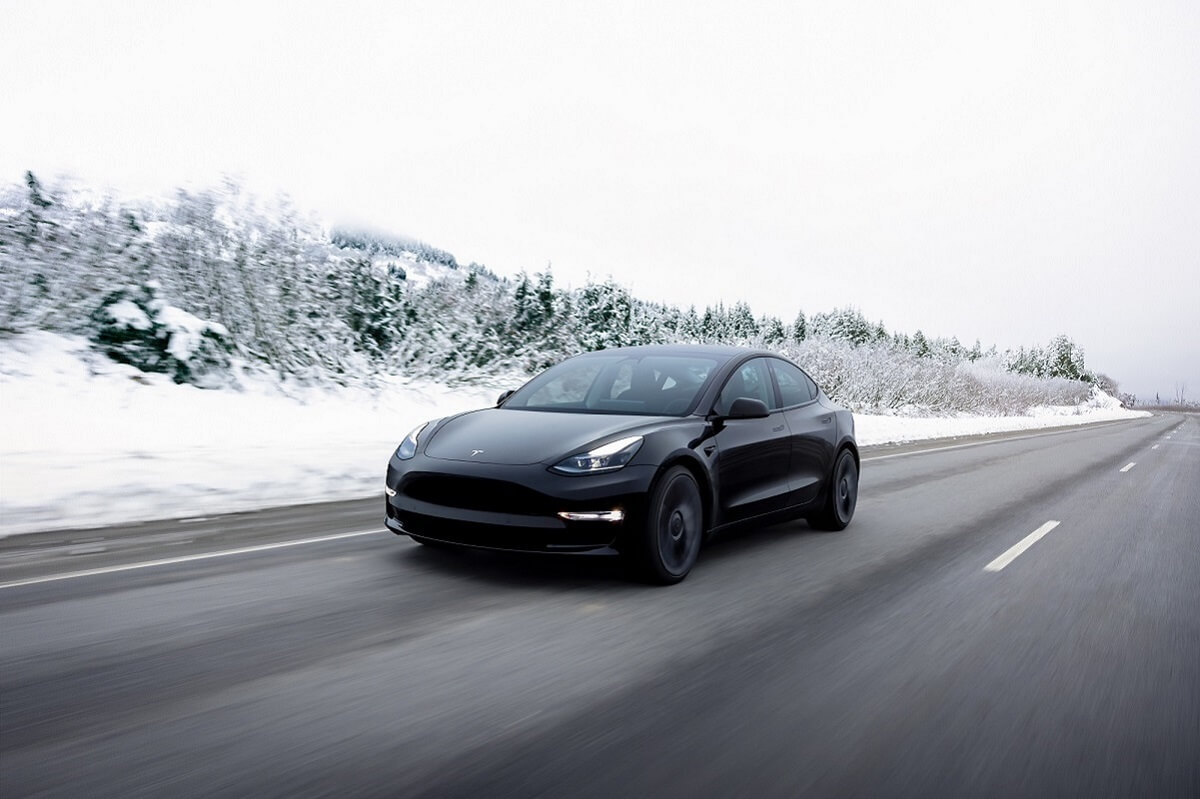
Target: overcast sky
(1005,172)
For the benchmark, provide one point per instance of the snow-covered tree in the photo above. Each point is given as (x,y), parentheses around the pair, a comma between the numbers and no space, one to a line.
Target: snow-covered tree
(920,345)
(772,331)
(275,292)
(799,330)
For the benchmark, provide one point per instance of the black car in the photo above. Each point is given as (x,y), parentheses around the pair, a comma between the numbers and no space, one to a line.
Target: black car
(643,451)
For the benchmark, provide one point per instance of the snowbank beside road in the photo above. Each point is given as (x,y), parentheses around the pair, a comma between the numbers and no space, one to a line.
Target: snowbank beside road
(87,442)
(876,429)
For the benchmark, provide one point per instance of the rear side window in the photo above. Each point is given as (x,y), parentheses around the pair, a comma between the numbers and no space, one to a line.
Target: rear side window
(795,387)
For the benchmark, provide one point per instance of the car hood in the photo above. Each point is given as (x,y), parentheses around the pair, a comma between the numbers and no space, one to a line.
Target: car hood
(515,437)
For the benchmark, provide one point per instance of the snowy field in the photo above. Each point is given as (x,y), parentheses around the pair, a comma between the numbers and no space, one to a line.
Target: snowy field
(86,442)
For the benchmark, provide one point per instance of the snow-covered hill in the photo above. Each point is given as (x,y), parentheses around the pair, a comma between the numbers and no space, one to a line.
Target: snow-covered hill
(85,441)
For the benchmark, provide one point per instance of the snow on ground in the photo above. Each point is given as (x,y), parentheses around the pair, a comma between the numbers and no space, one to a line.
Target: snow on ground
(87,442)
(877,429)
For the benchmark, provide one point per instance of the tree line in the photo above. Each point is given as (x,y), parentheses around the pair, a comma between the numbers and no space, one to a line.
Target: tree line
(194,283)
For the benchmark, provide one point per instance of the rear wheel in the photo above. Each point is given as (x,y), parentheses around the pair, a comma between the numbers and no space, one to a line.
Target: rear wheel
(841,496)
(670,542)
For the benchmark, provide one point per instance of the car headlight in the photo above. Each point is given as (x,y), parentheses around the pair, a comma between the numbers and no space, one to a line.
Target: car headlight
(408,447)
(606,458)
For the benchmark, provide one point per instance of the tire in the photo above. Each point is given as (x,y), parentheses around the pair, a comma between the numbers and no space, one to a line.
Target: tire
(841,497)
(670,542)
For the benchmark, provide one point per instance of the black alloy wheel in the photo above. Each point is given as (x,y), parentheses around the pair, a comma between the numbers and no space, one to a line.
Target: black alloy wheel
(674,528)
(841,497)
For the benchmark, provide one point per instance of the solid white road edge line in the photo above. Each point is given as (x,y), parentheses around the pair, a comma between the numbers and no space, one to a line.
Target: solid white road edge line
(224,553)
(1127,467)
(1016,549)
(1155,446)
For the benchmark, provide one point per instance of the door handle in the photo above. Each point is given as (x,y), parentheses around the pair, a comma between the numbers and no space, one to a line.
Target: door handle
(826,419)
(777,429)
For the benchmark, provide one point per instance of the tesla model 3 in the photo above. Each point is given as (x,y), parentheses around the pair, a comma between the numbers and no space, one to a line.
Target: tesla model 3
(641,451)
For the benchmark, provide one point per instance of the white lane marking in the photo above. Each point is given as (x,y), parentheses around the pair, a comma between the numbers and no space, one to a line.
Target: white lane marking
(1127,467)
(1016,549)
(224,553)
(1155,446)
(984,443)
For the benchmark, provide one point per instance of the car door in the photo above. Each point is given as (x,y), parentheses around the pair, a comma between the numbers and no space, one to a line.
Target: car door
(753,455)
(813,432)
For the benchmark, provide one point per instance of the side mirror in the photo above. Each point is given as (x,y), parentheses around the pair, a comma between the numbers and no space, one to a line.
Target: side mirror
(503,396)
(748,408)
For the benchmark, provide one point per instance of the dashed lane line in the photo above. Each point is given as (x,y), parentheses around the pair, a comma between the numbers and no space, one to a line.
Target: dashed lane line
(1016,549)
(1127,467)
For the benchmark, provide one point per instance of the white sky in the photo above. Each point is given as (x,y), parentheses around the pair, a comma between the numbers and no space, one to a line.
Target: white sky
(1004,172)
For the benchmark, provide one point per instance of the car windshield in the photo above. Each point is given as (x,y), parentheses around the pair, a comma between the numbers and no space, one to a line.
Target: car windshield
(651,385)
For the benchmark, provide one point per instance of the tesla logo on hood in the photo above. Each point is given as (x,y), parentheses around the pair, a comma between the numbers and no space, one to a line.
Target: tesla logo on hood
(475,452)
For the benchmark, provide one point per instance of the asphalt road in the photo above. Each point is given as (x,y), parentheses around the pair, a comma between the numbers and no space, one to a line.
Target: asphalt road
(932,649)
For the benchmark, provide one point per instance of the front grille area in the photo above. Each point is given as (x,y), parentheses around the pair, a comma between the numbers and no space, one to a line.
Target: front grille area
(498,514)
(475,493)
(496,536)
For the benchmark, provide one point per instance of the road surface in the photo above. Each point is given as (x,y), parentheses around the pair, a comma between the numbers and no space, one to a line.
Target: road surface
(1004,618)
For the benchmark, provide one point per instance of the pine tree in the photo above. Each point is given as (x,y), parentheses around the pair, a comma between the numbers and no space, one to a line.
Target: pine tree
(799,328)
(545,296)
(772,329)
(1065,359)
(524,306)
(690,326)
(741,325)
(920,345)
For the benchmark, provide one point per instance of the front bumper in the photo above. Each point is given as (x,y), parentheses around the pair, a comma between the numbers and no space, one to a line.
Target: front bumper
(493,506)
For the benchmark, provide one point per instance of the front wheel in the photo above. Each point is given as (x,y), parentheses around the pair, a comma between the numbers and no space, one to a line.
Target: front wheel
(841,497)
(670,542)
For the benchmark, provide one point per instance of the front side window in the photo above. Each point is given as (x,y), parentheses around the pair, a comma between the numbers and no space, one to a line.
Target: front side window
(623,380)
(752,380)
